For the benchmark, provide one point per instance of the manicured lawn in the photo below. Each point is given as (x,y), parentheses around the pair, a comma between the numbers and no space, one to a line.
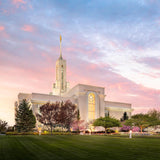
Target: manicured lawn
(79,147)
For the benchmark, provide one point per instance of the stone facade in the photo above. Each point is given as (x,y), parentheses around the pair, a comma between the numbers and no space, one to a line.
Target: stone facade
(117,109)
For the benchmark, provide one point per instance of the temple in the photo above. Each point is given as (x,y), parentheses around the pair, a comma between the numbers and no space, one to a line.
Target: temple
(90,100)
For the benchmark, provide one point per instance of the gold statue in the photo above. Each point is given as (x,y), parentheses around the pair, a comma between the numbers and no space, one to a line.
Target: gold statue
(60,38)
(60,47)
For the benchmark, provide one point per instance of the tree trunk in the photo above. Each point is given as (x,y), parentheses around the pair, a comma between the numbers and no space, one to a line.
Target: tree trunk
(78,126)
(69,128)
(105,131)
(51,129)
(141,128)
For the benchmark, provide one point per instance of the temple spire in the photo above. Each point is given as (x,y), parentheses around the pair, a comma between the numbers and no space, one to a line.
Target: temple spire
(60,47)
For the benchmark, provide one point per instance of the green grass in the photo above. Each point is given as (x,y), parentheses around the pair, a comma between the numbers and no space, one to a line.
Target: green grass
(79,147)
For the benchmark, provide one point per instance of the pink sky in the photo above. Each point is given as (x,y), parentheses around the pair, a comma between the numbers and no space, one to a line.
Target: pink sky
(102,48)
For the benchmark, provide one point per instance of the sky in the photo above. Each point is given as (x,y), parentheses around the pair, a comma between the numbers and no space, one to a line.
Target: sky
(112,44)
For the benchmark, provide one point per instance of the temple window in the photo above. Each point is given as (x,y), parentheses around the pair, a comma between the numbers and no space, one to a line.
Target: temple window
(91,106)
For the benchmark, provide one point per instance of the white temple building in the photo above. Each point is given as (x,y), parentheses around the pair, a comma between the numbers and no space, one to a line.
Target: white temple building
(91,100)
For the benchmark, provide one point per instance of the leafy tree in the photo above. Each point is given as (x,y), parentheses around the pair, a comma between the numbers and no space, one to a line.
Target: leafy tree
(68,113)
(61,113)
(106,122)
(3,125)
(49,114)
(154,116)
(107,114)
(125,116)
(25,120)
(78,115)
(154,113)
(140,120)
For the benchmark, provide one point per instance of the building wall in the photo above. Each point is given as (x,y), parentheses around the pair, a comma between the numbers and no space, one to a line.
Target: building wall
(117,109)
(80,93)
(36,99)
(79,96)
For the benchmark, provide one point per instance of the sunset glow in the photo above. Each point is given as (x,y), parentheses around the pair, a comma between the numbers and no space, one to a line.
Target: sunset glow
(115,45)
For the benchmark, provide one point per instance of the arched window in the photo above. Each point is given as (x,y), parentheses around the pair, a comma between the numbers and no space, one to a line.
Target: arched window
(91,106)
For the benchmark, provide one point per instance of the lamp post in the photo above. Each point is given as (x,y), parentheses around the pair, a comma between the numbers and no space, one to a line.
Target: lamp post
(39,129)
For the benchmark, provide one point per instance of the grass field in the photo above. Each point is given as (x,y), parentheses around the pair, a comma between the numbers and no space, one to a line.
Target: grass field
(79,147)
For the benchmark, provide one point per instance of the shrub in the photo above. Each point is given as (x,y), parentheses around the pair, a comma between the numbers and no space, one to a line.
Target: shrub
(125,128)
(136,129)
(22,133)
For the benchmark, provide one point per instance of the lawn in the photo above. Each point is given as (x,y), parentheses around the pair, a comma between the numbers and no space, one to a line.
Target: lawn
(79,147)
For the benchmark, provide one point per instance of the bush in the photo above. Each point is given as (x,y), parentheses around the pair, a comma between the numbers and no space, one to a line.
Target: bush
(136,129)
(125,128)
(37,133)
(10,129)
(22,133)
(110,131)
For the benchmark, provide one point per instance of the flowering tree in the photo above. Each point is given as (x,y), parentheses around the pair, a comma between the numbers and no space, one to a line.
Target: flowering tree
(127,128)
(61,113)
(49,114)
(78,125)
(67,114)
(135,129)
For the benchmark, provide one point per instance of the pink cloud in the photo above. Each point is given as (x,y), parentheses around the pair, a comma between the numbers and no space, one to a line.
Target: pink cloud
(113,44)
(17,3)
(2,28)
(22,4)
(28,28)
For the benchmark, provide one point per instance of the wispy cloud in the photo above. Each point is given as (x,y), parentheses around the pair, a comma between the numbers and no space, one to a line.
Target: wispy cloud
(28,28)
(19,3)
(2,28)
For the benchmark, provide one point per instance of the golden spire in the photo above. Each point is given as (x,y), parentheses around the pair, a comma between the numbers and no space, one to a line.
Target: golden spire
(60,38)
(60,46)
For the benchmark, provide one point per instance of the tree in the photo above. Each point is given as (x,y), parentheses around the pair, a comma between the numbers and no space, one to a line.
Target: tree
(106,122)
(154,117)
(68,113)
(78,115)
(25,120)
(3,125)
(49,114)
(140,120)
(61,113)
(125,116)
(77,124)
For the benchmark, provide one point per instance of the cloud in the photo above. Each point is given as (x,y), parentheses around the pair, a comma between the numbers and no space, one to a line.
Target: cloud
(28,28)
(2,28)
(18,3)
(153,62)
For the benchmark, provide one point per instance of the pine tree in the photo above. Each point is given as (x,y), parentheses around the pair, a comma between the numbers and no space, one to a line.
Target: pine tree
(25,120)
